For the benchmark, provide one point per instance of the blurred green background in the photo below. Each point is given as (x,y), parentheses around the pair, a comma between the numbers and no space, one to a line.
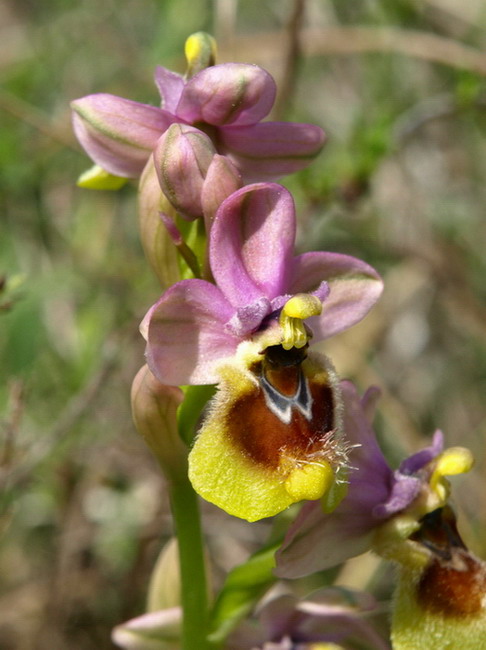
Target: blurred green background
(399,88)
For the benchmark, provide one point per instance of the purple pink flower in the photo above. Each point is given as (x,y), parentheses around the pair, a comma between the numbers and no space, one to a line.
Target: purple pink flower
(227,102)
(271,436)
(382,507)
(196,324)
(328,616)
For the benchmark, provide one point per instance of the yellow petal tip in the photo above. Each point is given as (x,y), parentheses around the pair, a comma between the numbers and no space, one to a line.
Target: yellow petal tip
(303,305)
(456,460)
(309,482)
(96,178)
(200,50)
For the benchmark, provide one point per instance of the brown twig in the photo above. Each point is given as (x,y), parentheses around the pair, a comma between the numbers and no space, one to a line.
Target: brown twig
(72,413)
(337,40)
(292,58)
(16,394)
(31,115)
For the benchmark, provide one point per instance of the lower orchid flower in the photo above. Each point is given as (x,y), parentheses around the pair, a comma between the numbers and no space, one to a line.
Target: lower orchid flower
(440,601)
(329,619)
(382,507)
(272,434)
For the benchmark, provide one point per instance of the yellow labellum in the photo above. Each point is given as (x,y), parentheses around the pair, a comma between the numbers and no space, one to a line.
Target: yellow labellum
(422,624)
(271,434)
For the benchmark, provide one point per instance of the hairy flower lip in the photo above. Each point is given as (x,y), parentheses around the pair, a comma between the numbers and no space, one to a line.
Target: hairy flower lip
(441,591)
(271,436)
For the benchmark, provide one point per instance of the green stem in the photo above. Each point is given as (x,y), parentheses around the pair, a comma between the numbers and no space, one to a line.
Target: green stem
(194,593)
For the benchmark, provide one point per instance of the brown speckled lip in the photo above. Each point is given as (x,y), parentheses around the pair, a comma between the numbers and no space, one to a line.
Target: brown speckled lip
(454,583)
(456,588)
(262,436)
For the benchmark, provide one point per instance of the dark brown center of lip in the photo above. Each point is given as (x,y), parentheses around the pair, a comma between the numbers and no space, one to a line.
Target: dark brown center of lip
(454,583)
(263,434)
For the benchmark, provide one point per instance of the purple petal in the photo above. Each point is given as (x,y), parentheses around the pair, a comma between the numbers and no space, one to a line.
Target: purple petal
(414,463)
(279,616)
(367,454)
(222,179)
(170,85)
(270,150)
(369,402)
(317,540)
(337,617)
(248,318)
(354,288)
(404,491)
(230,93)
(406,487)
(322,292)
(186,335)
(117,133)
(251,243)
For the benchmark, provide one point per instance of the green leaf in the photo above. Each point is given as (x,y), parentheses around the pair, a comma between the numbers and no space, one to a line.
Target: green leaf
(243,587)
(195,238)
(189,412)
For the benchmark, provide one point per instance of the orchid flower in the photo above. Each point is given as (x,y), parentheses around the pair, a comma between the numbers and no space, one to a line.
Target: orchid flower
(404,516)
(440,599)
(271,435)
(227,102)
(382,507)
(331,618)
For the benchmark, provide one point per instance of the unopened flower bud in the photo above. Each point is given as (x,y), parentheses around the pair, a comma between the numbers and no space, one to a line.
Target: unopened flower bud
(161,630)
(165,583)
(156,241)
(154,410)
(200,50)
(182,158)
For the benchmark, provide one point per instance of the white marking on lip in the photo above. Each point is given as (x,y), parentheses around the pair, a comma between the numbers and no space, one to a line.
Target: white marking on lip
(282,405)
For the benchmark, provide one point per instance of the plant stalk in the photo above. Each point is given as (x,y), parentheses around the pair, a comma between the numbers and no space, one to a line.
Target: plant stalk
(194,592)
